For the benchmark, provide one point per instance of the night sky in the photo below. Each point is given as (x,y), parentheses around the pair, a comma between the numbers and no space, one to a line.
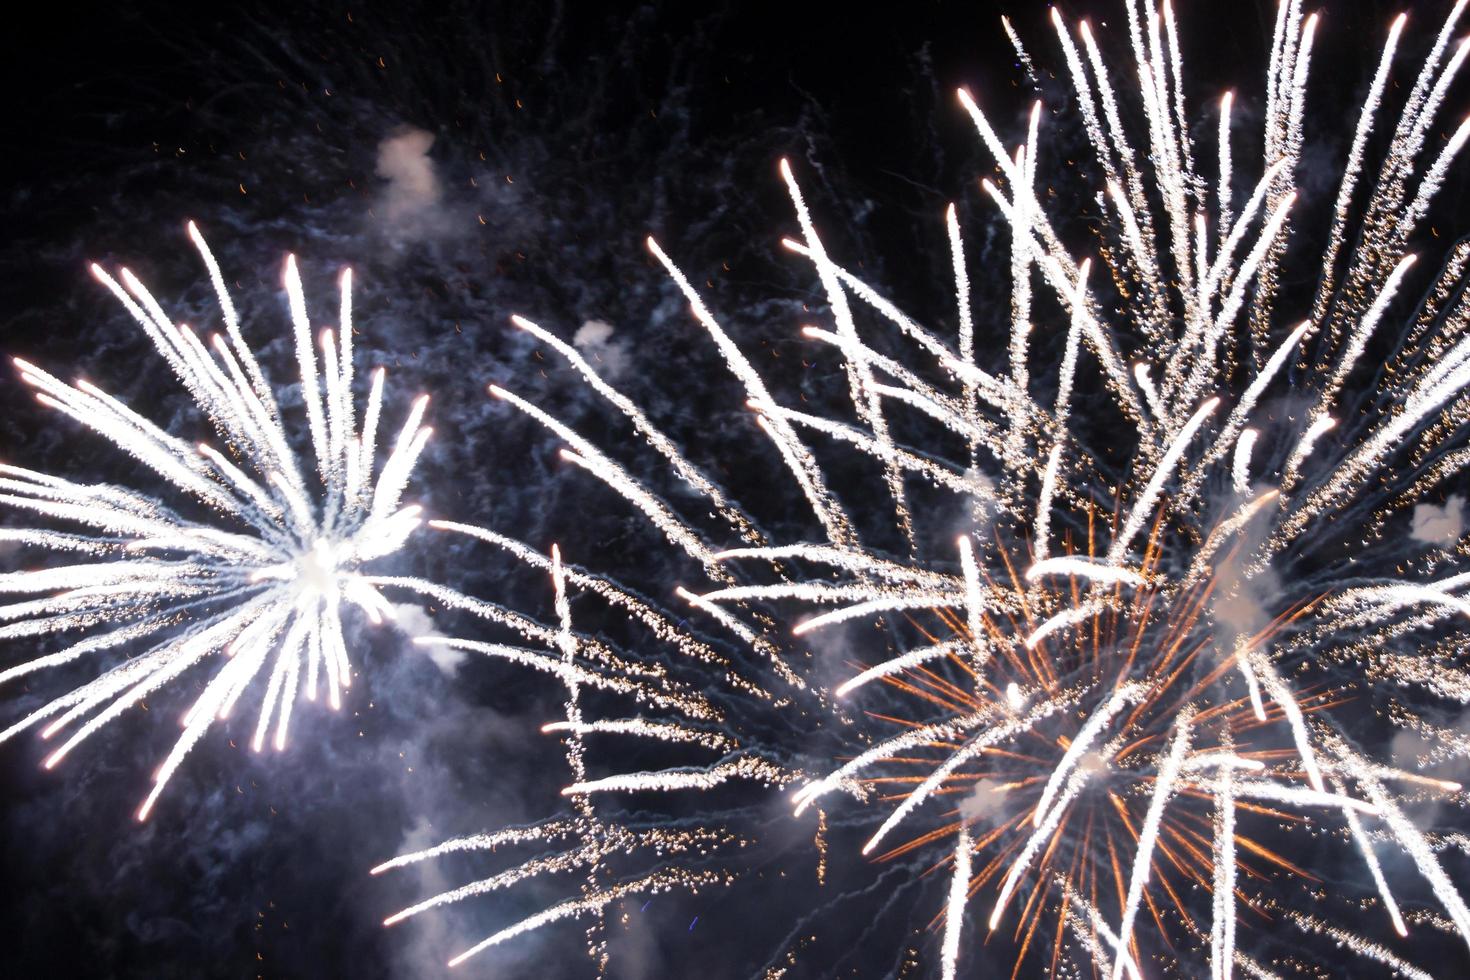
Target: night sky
(558,136)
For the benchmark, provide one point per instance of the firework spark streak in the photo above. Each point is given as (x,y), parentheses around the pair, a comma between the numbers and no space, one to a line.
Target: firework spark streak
(1139,669)
(600,842)
(254,568)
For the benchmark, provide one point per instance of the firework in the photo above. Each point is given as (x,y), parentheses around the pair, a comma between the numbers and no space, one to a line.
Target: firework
(255,566)
(599,841)
(1177,621)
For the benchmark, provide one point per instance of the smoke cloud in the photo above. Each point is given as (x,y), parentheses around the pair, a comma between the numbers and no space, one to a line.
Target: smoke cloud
(1439,525)
(410,205)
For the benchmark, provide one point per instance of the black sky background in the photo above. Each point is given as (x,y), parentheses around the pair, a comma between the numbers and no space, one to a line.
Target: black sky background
(563,134)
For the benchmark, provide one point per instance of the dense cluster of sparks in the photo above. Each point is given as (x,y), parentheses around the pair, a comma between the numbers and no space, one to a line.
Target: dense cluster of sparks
(1143,662)
(252,570)
(1125,679)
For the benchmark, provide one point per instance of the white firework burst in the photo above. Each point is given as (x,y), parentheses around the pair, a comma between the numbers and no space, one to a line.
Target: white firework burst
(1140,650)
(252,570)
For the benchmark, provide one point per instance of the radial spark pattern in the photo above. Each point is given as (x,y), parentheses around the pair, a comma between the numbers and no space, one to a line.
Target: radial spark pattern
(1193,605)
(250,571)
